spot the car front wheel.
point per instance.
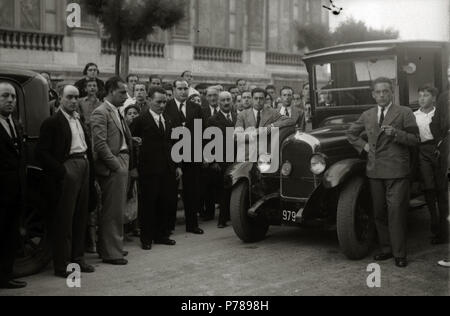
(248, 229)
(355, 223)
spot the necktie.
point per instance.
(183, 117)
(11, 129)
(215, 112)
(258, 119)
(382, 117)
(286, 112)
(229, 118)
(161, 126)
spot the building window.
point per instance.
(32, 15)
(219, 23)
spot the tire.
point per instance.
(355, 224)
(34, 251)
(246, 228)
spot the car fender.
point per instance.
(237, 172)
(341, 171)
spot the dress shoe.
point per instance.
(444, 263)
(383, 257)
(401, 262)
(146, 246)
(125, 253)
(221, 226)
(116, 262)
(86, 268)
(12, 285)
(196, 231)
(166, 242)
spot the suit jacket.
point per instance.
(440, 124)
(389, 157)
(193, 113)
(155, 153)
(206, 111)
(220, 121)
(54, 144)
(297, 117)
(108, 139)
(53, 149)
(12, 166)
(246, 119)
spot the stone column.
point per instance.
(180, 45)
(255, 53)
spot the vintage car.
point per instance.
(321, 179)
(32, 109)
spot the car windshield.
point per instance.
(347, 83)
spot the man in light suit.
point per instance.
(259, 115)
(295, 114)
(112, 150)
(391, 131)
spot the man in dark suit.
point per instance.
(158, 174)
(64, 152)
(208, 208)
(12, 177)
(295, 114)
(184, 115)
(224, 119)
(391, 131)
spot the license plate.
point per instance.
(290, 217)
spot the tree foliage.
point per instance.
(318, 36)
(131, 20)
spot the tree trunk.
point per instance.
(118, 55)
(125, 62)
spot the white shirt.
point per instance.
(5, 125)
(255, 112)
(156, 117)
(78, 145)
(386, 110)
(179, 104)
(116, 112)
(287, 111)
(423, 121)
(128, 102)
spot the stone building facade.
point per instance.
(219, 40)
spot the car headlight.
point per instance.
(286, 170)
(318, 164)
(264, 163)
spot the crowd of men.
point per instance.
(119, 132)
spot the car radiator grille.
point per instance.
(301, 183)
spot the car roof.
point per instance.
(372, 46)
(17, 74)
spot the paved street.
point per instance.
(289, 262)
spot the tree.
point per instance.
(318, 36)
(131, 20)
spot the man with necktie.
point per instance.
(158, 174)
(183, 114)
(64, 152)
(208, 204)
(295, 114)
(391, 131)
(12, 177)
(113, 161)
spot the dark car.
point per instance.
(321, 181)
(32, 109)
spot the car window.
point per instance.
(348, 83)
